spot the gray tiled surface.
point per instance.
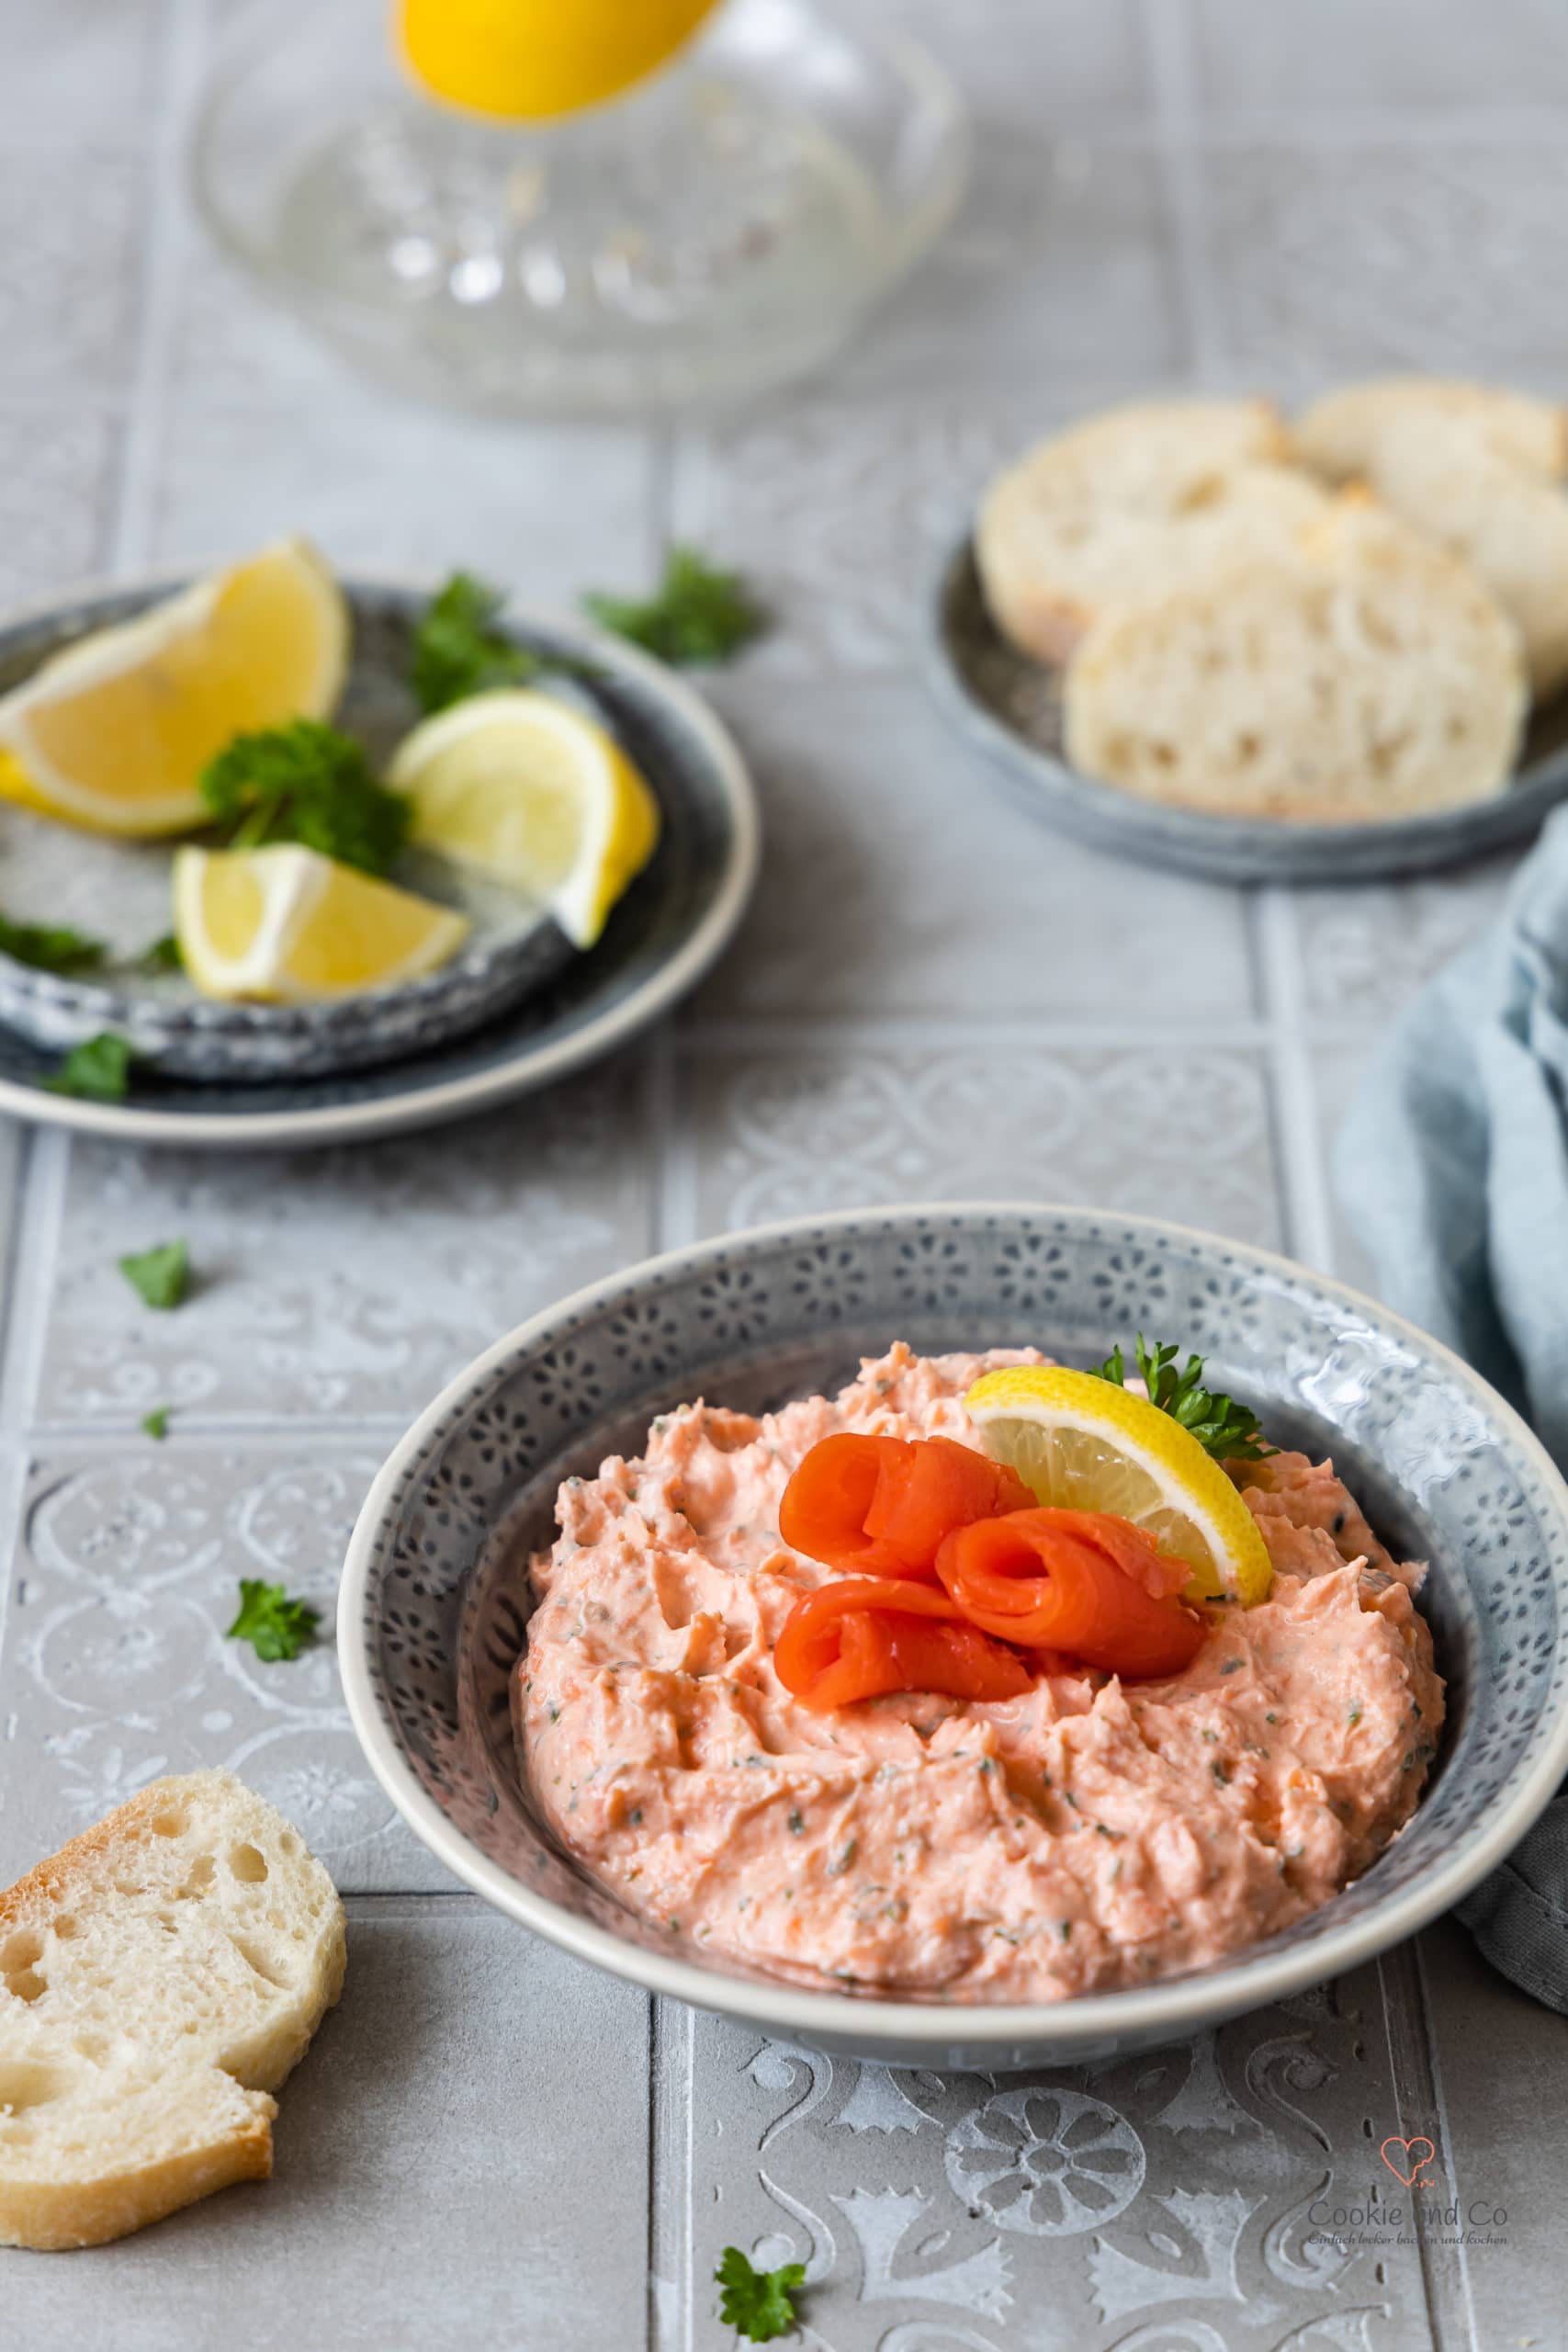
(489, 2145)
(469, 2120)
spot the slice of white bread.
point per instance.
(1141, 499)
(1364, 674)
(1478, 468)
(159, 1976)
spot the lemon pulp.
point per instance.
(286, 926)
(526, 789)
(113, 734)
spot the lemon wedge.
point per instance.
(286, 926)
(113, 734)
(1084, 1444)
(526, 790)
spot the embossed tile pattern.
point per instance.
(1355, 259)
(1365, 953)
(898, 882)
(799, 1132)
(842, 571)
(117, 1668)
(1161, 2200)
(351, 1282)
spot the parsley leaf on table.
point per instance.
(758, 2304)
(457, 649)
(309, 783)
(99, 1069)
(1222, 1426)
(274, 1626)
(163, 956)
(160, 1277)
(156, 1422)
(49, 948)
(699, 613)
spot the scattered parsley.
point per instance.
(306, 781)
(1222, 1426)
(49, 948)
(164, 956)
(698, 614)
(458, 650)
(99, 1069)
(758, 2304)
(274, 1626)
(156, 1422)
(160, 1277)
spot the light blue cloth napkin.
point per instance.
(1453, 1169)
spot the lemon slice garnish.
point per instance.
(114, 732)
(526, 790)
(286, 926)
(1084, 1444)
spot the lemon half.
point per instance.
(286, 926)
(526, 789)
(113, 734)
(1084, 1444)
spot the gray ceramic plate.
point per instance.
(1008, 708)
(519, 1008)
(119, 892)
(433, 1606)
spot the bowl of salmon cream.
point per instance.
(715, 1626)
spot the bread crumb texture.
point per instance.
(159, 1976)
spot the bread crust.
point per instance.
(54, 2217)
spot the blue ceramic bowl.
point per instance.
(433, 1604)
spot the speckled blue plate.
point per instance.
(519, 1006)
(1008, 709)
(434, 1601)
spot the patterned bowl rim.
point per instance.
(518, 1072)
(1183, 2005)
(1046, 786)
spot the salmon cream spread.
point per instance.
(1088, 1835)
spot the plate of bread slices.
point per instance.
(1326, 648)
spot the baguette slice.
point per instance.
(1479, 469)
(159, 1976)
(1140, 500)
(1365, 674)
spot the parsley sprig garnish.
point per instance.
(457, 649)
(50, 947)
(274, 1626)
(698, 614)
(1222, 1426)
(99, 1069)
(758, 2304)
(309, 783)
